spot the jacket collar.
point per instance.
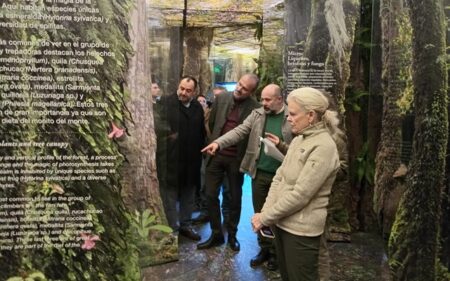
(313, 129)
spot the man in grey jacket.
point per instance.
(228, 111)
(269, 121)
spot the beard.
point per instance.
(238, 96)
(269, 111)
(184, 99)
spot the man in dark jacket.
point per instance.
(228, 111)
(181, 135)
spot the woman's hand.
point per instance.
(256, 222)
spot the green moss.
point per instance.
(442, 273)
(403, 43)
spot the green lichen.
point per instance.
(403, 43)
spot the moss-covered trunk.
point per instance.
(413, 244)
(445, 220)
(396, 44)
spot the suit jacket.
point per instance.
(221, 108)
(181, 136)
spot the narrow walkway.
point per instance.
(361, 260)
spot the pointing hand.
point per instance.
(211, 148)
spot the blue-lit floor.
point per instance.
(361, 260)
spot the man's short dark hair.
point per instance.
(155, 80)
(190, 78)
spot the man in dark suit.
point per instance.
(181, 135)
(228, 111)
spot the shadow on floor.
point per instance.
(361, 260)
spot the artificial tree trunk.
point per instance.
(318, 38)
(341, 18)
(445, 220)
(396, 60)
(270, 61)
(330, 40)
(140, 183)
(198, 42)
(413, 244)
(363, 119)
(297, 19)
(176, 59)
(374, 63)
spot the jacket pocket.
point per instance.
(302, 156)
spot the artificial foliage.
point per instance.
(115, 255)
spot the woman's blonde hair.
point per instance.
(310, 99)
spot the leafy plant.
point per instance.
(35, 276)
(352, 100)
(365, 165)
(145, 221)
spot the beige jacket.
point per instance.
(253, 127)
(298, 197)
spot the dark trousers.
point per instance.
(200, 199)
(298, 256)
(226, 198)
(260, 188)
(217, 168)
(170, 195)
(200, 190)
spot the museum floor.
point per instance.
(361, 260)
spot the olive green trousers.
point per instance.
(298, 256)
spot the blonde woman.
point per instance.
(296, 206)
